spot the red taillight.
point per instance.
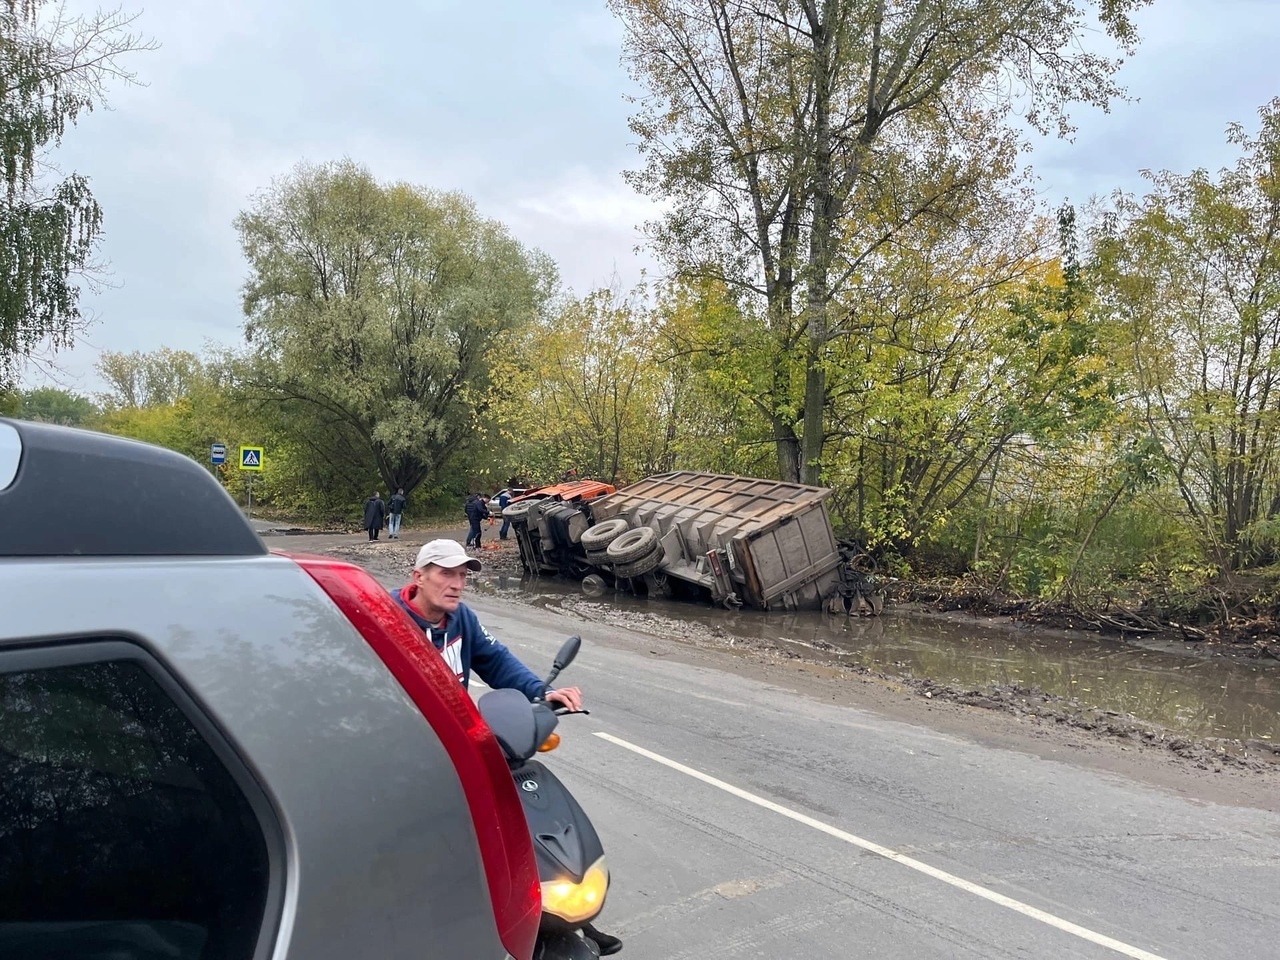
(503, 832)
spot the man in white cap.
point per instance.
(433, 598)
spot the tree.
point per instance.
(147, 379)
(609, 385)
(51, 405)
(592, 402)
(173, 398)
(981, 343)
(723, 384)
(706, 422)
(53, 67)
(1193, 270)
(769, 126)
(601, 394)
(375, 310)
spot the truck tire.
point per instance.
(596, 539)
(638, 568)
(516, 512)
(633, 545)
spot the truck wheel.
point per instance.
(633, 545)
(597, 538)
(516, 512)
(638, 568)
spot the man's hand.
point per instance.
(570, 697)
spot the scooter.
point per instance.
(571, 861)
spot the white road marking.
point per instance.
(871, 847)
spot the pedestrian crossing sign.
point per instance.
(250, 458)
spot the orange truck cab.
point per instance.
(549, 523)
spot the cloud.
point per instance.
(584, 198)
(523, 109)
(589, 222)
(1195, 71)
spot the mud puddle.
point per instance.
(1152, 692)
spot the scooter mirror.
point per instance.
(568, 651)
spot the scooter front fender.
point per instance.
(553, 945)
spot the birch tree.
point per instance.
(54, 66)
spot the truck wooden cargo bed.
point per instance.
(775, 538)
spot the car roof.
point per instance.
(113, 497)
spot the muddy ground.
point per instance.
(1011, 716)
(1247, 633)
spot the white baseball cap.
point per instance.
(445, 553)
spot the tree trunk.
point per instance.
(815, 389)
(784, 432)
(788, 446)
(815, 375)
(981, 533)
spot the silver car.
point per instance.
(211, 751)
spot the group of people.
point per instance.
(379, 514)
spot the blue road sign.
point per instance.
(218, 454)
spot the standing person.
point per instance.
(395, 507)
(375, 515)
(477, 510)
(503, 499)
(466, 509)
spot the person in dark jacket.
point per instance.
(433, 598)
(477, 513)
(503, 499)
(395, 507)
(375, 515)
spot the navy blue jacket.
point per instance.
(465, 644)
(477, 510)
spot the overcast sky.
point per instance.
(523, 108)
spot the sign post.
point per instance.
(217, 457)
(251, 459)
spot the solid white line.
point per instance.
(960, 883)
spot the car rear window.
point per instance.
(122, 833)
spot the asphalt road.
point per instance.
(742, 819)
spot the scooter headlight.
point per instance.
(577, 902)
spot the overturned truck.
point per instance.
(734, 541)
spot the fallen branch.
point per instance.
(1102, 619)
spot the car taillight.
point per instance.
(505, 845)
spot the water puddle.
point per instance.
(1174, 685)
